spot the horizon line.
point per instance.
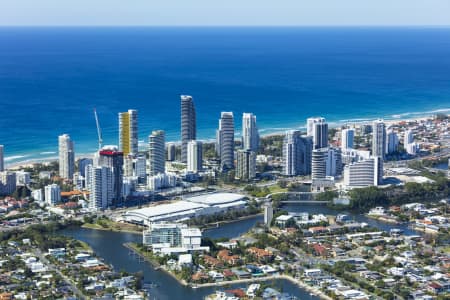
(226, 26)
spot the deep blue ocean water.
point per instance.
(52, 78)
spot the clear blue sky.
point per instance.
(225, 12)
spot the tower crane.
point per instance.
(99, 131)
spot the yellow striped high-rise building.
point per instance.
(128, 132)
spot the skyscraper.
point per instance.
(334, 162)
(66, 157)
(319, 163)
(408, 138)
(408, 143)
(82, 163)
(391, 142)
(7, 183)
(157, 152)
(297, 152)
(128, 132)
(310, 124)
(225, 141)
(52, 194)
(246, 164)
(366, 172)
(2, 159)
(171, 151)
(101, 187)
(110, 157)
(378, 139)
(194, 156)
(347, 136)
(250, 136)
(188, 124)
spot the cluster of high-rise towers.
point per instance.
(114, 171)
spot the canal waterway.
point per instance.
(109, 245)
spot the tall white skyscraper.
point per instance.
(347, 136)
(310, 124)
(250, 136)
(318, 129)
(391, 142)
(246, 164)
(194, 156)
(297, 152)
(157, 153)
(66, 157)
(52, 194)
(378, 139)
(225, 141)
(101, 187)
(408, 143)
(2, 159)
(188, 124)
(128, 132)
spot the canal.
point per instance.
(109, 245)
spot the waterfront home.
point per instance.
(341, 218)
(212, 262)
(312, 272)
(228, 258)
(242, 274)
(216, 276)
(283, 220)
(377, 211)
(199, 277)
(260, 254)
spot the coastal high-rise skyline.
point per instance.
(128, 132)
(250, 135)
(188, 124)
(66, 157)
(225, 141)
(156, 151)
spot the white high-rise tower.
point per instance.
(250, 136)
(157, 153)
(66, 157)
(225, 141)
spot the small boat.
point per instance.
(395, 232)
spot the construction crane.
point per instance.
(99, 131)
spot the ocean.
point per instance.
(51, 79)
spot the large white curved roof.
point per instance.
(216, 198)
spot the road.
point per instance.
(52, 267)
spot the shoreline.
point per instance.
(389, 120)
(301, 284)
(224, 222)
(98, 227)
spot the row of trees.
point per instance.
(363, 199)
